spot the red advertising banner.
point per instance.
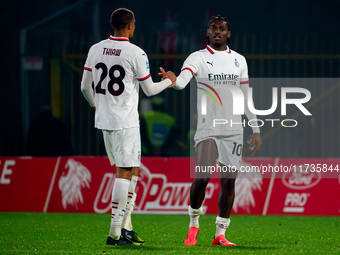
(24, 183)
(251, 186)
(84, 184)
(77, 182)
(308, 187)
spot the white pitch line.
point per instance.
(51, 185)
(270, 188)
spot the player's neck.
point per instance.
(220, 48)
(121, 33)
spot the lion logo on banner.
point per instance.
(70, 184)
(246, 183)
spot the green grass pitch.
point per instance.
(55, 233)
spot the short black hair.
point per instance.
(121, 17)
(219, 17)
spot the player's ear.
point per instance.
(207, 33)
(228, 34)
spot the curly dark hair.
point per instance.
(219, 17)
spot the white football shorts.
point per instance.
(123, 147)
(229, 149)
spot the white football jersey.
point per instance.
(117, 65)
(215, 72)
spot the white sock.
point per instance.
(194, 216)
(119, 197)
(221, 225)
(130, 203)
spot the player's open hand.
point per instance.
(255, 143)
(169, 75)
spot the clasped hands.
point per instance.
(169, 75)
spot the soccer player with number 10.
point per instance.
(217, 68)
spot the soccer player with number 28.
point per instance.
(117, 67)
(217, 68)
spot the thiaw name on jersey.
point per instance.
(117, 65)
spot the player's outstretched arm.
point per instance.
(182, 80)
(151, 88)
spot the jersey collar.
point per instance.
(212, 51)
(119, 38)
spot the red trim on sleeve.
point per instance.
(210, 50)
(88, 69)
(244, 82)
(189, 70)
(119, 39)
(144, 78)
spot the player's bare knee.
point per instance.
(124, 172)
(201, 183)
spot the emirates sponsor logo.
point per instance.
(301, 178)
(73, 179)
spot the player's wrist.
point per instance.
(256, 130)
(169, 82)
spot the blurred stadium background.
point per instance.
(44, 45)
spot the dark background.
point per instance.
(284, 39)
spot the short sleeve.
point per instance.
(191, 63)
(141, 66)
(88, 63)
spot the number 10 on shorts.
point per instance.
(237, 149)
